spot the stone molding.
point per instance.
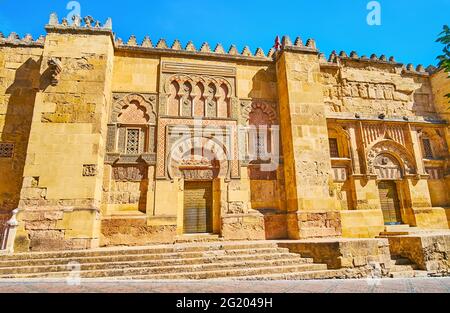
(199, 69)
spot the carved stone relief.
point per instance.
(376, 132)
(387, 167)
(129, 173)
(89, 170)
(196, 96)
(385, 154)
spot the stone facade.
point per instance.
(98, 139)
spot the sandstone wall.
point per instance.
(375, 87)
(62, 188)
(19, 82)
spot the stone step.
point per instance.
(235, 273)
(307, 275)
(403, 268)
(393, 234)
(421, 274)
(154, 263)
(200, 270)
(141, 257)
(142, 250)
(402, 274)
(398, 228)
(198, 238)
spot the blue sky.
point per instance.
(408, 28)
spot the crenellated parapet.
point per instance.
(342, 59)
(298, 45)
(77, 22)
(13, 39)
(205, 49)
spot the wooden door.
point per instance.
(390, 203)
(198, 207)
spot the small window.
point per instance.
(133, 138)
(428, 151)
(6, 150)
(334, 149)
(260, 146)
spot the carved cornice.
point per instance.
(199, 69)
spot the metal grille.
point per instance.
(260, 146)
(198, 207)
(6, 150)
(427, 148)
(390, 204)
(334, 150)
(133, 137)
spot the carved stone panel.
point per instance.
(89, 170)
(387, 167)
(386, 153)
(196, 96)
(127, 107)
(129, 173)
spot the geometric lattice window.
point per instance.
(428, 151)
(133, 137)
(261, 146)
(6, 150)
(334, 149)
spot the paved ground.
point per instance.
(417, 285)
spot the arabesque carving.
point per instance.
(133, 102)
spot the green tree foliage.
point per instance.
(444, 60)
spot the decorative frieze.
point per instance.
(129, 173)
(196, 96)
(375, 132)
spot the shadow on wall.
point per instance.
(260, 81)
(22, 95)
(267, 188)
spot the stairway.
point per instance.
(204, 260)
(403, 268)
(405, 230)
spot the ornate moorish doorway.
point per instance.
(390, 203)
(198, 207)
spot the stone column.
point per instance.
(354, 154)
(417, 151)
(311, 208)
